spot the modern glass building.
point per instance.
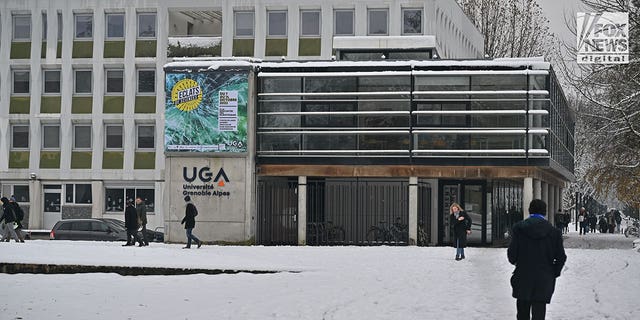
(384, 148)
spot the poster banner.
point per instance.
(603, 37)
(206, 112)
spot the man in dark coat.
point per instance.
(189, 222)
(131, 223)
(141, 209)
(537, 252)
(9, 218)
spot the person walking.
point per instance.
(537, 252)
(141, 210)
(189, 222)
(131, 223)
(9, 220)
(567, 220)
(461, 223)
(582, 221)
(19, 215)
(617, 217)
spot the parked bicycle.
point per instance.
(396, 233)
(323, 233)
(423, 237)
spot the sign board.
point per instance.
(206, 111)
(603, 38)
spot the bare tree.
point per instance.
(511, 28)
(608, 117)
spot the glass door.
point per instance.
(471, 196)
(51, 205)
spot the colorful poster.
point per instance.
(206, 112)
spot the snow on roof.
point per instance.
(536, 63)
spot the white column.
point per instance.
(98, 198)
(537, 189)
(551, 204)
(413, 211)
(527, 196)
(293, 30)
(302, 210)
(227, 28)
(545, 193)
(36, 215)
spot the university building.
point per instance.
(313, 123)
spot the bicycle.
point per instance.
(632, 230)
(394, 234)
(319, 233)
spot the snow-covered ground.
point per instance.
(333, 283)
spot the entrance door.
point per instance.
(471, 196)
(52, 212)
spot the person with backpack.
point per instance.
(131, 223)
(189, 222)
(9, 218)
(19, 217)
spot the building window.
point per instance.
(81, 136)
(146, 25)
(83, 81)
(52, 81)
(20, 137)
(343, 23)
(59, 26)
(378, 22)
(82, 193)
(116, 198)
(146, 137)
(115, 26)
(310, 23)
(22, 27)
(115, 81)
(276, 23)
(21, 192)
(21, 82)
(411, 21)
(114, 137)
(146, 81)
(84, 26)
(44, 26)
(51, 136)
(243, 23)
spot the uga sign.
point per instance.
(205, 175)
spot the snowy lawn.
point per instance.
(334, 283)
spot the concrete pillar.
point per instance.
(413, 211)
(545, 193)
(302, 210)
(527, 196)
(551, 204)
(98, 199)
(537, 189)
(36, 213)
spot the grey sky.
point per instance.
(556, 10)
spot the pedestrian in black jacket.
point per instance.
(537, 252)
(461, 223)
(9, 218)
(131, 223)
(189, 222)
(141, 209)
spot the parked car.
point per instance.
(87, 229)
(152, 235)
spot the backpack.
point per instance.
(19, 213)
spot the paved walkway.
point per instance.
(597, 241)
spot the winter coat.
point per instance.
(141, 210)
(190, 214)
(460, 228)
(131, 218)
(537, 252)
(8, 214)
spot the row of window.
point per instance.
(80, 193)
(83, 81)
(82, 137)
(344, 22)
(83, 26)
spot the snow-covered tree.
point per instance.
(608, 116)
